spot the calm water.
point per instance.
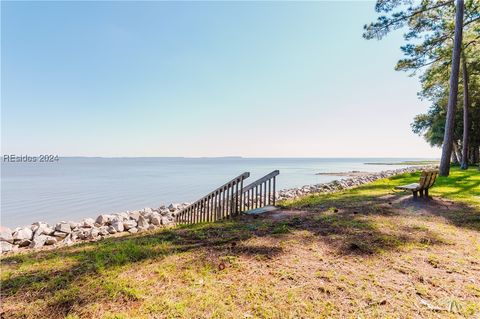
(75, 188)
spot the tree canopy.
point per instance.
(429, 28)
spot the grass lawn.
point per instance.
(368, 252)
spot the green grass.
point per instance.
(368, 252)
(461, 186)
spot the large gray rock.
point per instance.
(134, 215)
(164, 212)
(149, 214)
(112, 230)
(75, 225)
(6, 235)
(118, 226)
(156, 219)
(173, 207)
(133, 230)
(50, 240)
(22, 233)
(94, 232)
(103, 230)
(33, 227)
(6, 247)
(43, 229)
(81, 233)
(147, 210)
(115, 219)
(142, 223)
(24, 243)
(122, 216)
(38, 241)
(64, 227)
(103, 219)
(60, 234)
(129, 224)
(166, 221)
(68, 240)
(88, 223)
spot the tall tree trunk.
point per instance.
(452, 96)
(456, 154)
(466, 106)
(454, 159)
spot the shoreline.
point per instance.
(345, 174)
(40, 235)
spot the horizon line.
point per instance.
(226, 157)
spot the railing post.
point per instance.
(274, 182)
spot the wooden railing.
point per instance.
(223, 202)
(260, 193)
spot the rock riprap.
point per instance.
(41, 234)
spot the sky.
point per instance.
(253, 79)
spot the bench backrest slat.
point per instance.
(427, 179)
(432, 179)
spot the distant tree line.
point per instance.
(443, 48)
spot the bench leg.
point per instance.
(421, 193)
(426, 193)
(415, 195)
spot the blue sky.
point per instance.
(203, 79)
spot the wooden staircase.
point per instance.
(230, 200)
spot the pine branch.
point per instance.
(384, 29)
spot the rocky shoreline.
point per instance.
(42, 235)
(346, 174)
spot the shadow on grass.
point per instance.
(462, 187)
(346, 232)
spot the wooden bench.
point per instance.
(427, 179)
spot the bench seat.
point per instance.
(427, 179)
(409, 187)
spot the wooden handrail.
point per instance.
(230, 199)
(261, 180)
(259, 193)
(221, 203)
(242, 176)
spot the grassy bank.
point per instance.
(462, 187)
(363, 253)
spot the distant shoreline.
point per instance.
(406, 163)
(347, 174)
